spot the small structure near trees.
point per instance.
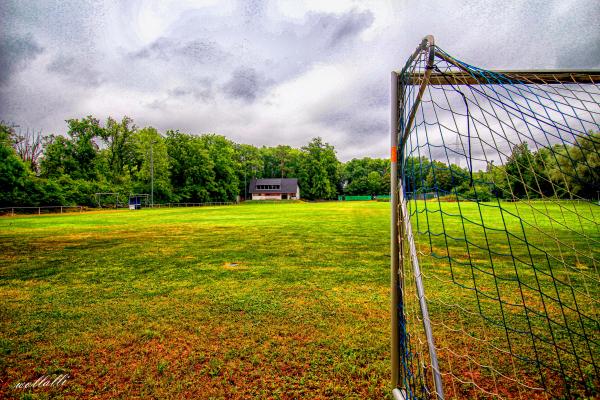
(274, 189)
(137, 200)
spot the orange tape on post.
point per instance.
(394, 155)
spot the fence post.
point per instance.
(61, 209)
(39, 210)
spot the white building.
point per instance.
(274, 189)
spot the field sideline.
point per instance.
(150, 304)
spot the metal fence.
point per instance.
(363, 197)
(39, 210)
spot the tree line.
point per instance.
(117, 156)
(562, 171)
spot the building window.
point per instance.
(268, 187)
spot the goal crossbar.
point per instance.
(466, 76)
(547, 77)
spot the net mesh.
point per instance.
(500, 175)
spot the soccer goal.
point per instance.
(495, 231)
(107, 199)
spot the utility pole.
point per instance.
(152, 173)
(457, 146)
(244, 166)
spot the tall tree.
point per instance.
(320, 173)
(577, 167)
(76, 155)
(191, 167)
(366, 176)
(221, 151)
(118, 137)
(520, 172)
(443, 178)
(152, 164)
(29, 146)
(416, 170)
(13, 171)
(249, 165)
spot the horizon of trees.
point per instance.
(116, 157)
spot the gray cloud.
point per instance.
(197, 50)
(160, 48)
(359, 123)
(280, 48)
(347, 26)
(74, 69)
(321, 34)
(181, 66)
(582, 55)
(200, 89)
(180, 92)
(253, 11)
(15, 52)
(375, 94)
(246, 84)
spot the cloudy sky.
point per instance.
(262, 72)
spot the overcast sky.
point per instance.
(262, 72)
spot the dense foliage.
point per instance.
(561, 171)
(119, 157)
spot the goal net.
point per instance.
(495, 231)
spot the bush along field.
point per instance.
(250, 301)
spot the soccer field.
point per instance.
(258, 300)
(512, 291)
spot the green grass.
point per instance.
(531, 299)
(270, 300)
(147, 304)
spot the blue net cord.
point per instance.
(508, 244)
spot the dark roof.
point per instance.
(286, 185)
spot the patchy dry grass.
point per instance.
(252, 301)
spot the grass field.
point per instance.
(149, 304)
(253, 301)
(513, 292)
